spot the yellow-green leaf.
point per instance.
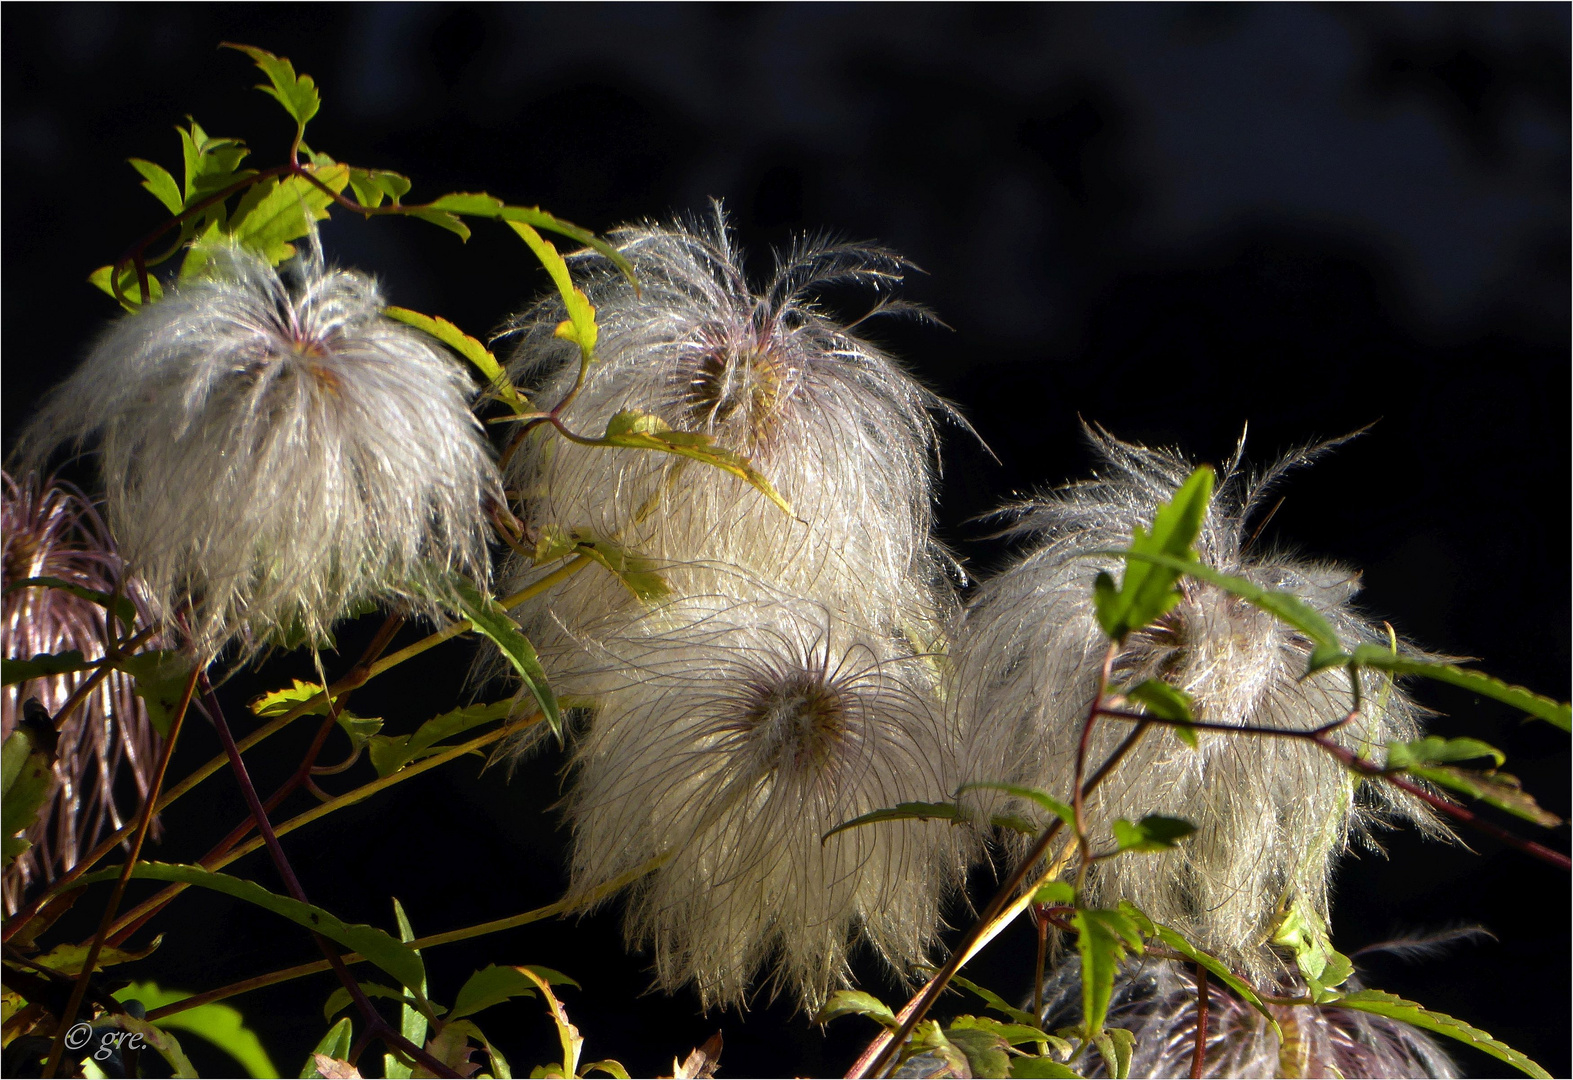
(580, 327)
(642, 431)
(297, 93)
(469, 348)
(160, 184)
(1409, 1012)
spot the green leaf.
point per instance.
(476, 204)
(1056, 893)
(160, 184)
(642, 431)
(124, 608)
(1114, 1044)
(1536, 705)
(68, 959)
(390, 753)
(1147, 591)
(29, 782)
(412, 1021)
(283, 211)
(442, 218)
(1042, 798)
(371, 186)
(1435, 750)
(985, 1050)
(1014, 1034)
(1409, 1012)
(1494, 788)
(211, 164)
(377, 946)
(491, 620)
(161, 676)
(567, 1035)
(44, 664)
(467, 347)
(1102, 938)
(218, 1023)
(1000, 1005)
(1162, 700)
(130, 285)
(297, 93)
(1177, 941)
(927, 1039)
(1286, 606)
(1041, 1067)
(279, 702)
(534, 215)
(492, 985)
(335, 1044)
(340, 999)
(843, 1002)
(580, 327)
(1153, 833)
(637, 573)
(907, 811)
(1015, 823)
(1305, 933)
(360, 729)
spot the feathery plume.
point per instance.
(276, 452)
(50, 528)
(743, 732)
(1272, 814)
(1156, 1002)
(836, 425)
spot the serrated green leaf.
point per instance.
(1536, 705)
(1162, 700)
(1435, 750)
(160, 677)
(927, 1039)
(580, 327)
(1114, 1046)
(160, 184)
(1103, 937)
(1056, 893)
(1494, 788)
(44, 664)
(641, 431)
(637, 573)
(67, 958)
(412, 1021)
(371, 186)
(1152, 833)
(1146, 591)
(390, 753)
(843, 1002)
(282, 211)
(1286, 606)
(130, 285)
(1041, 798)
(279, 702)
(1000, 1005)
(297, 93)
(492, 985)
(335, 1044)
(377, 946)
(469, 348)
(1041, 1068)
(124, 608)
(1303, 932)
(907, 811)
(443, 219)
(1177, 941)
(489, 619)
(1394, 1007)
(29, 782)
(475, 204)
(985, 1050)
(211, 164)
(218, 1023)
(1015, 1034)
(540, 219)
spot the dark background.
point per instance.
(1169, 220)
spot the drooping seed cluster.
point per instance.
(275, 452)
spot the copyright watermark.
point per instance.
(109, 1041)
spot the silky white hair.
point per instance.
(1156, 1001)
(275, 452)
(837, 426)
(1271, 813)
(742, 732)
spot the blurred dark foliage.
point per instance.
(1170, 220)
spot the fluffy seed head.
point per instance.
(51, 529)
(1271, 813)
(1156, 1002)
(741, 734)
(275, 452)
(835, 424)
